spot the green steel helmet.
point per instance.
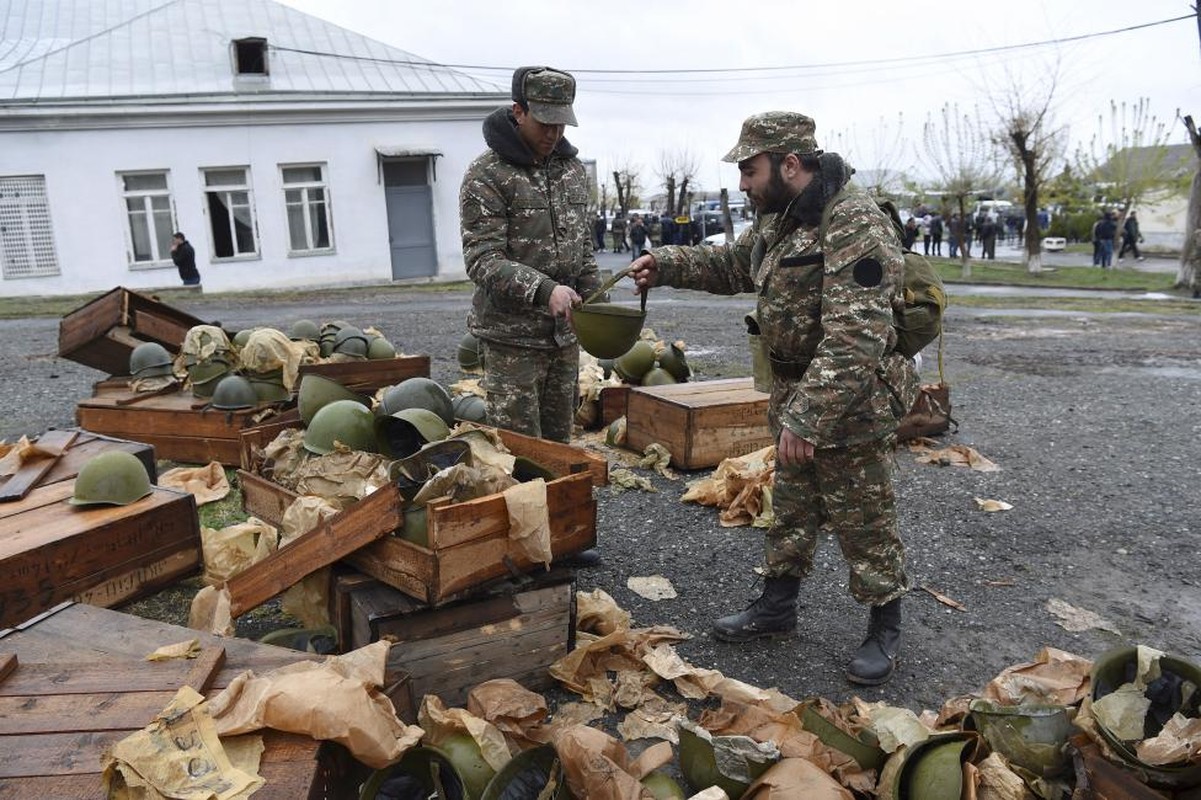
(672, 360)
(606, 330)
(606, 365)
(379, 348)
(304, 329)
(700, 766)
(418, 393)
(636, 362)
(470, 355)
(864, 748)
(148, 360)
(351, 342)
(329, 331)
(457, 763)
(1033, 737)
(401, 434)
(269, 387)
(933, 768)
(663, 786)
(205, 375)
(115, 478)
(527, 774)
(470, 407)
(317, 391)
(242, 337)
(344, 421)
(658, 377)
(233, 392)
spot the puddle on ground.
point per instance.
(1174, 373)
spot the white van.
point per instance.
(999, 209)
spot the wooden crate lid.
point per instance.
(701, 394)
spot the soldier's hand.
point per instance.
(645, 272)
(792, 450)
(561, 301)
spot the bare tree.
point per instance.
(1185, 275)
(879, 155)
(960, 152)
(1035, 145)
(628, 182)
(1127, 160)
(676, 171)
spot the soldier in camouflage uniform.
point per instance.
(825, 311)
(527, 244)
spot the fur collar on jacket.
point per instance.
(500, 134)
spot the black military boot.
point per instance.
(772, 615)
(876, 658)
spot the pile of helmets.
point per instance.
(345, 340)
(411, 414)
(641, 365)
(208, 357)
(471, 355)
(149, 360)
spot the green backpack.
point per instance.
(919, 322)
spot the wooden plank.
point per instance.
(559, 458)
(569, 504)
(371, 375)
(286, 780)
(339, 535)
(31, 472)
(89, 444)
(204, 669)
(263, 498)
(143, 579)
(79, 327)
(613, 402)
(55, 753)
(8, 665)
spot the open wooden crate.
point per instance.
(103, 332)
(469, 542)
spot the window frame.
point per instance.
(164, 259)
(306, 208)
(246, 186)
(29, 235)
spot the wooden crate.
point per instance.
(614, 402)
(82, 683)
(515, 629)
(368, 377)
(103, 332)
(52, 551)
(699, 423)
(469, 542)
(86, 445)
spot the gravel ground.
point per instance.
(1092, 419)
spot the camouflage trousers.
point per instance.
(531, 391)
(847, 491)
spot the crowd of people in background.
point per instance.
(984, 229)
(1105, 234)
(637, 232)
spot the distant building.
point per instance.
(1162, 215)
(289, 150)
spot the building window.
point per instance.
(250, 56)
(151, 223)
(231, 212)
(26, 237)
(306, 199)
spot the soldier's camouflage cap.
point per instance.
(547, 92)
(775, 132)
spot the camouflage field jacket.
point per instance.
(829, 321)
(525, 230)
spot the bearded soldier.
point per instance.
(838, 388)
(527, 244)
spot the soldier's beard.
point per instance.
(775, 197)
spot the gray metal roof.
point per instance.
(100, 49)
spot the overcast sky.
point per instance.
(905, 66)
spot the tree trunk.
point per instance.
(1192, 221)
(671, 194)
(1033, 255)
(725, 215)
(683, 197)
(621, 192)
(964, 261)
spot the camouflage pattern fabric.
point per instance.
(774, 132)
(531, 391)
(849, 491)
(525, 229)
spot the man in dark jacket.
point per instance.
(1130, 238)
(185, 259)
(527, 246)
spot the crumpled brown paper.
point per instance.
(513, 709)
(792, 778)
(232, 549)
(155, 383)
(1056, 677)
(894, 726)
(338, 699)
(597, 612)
(486, 446)
(268, 350)
(1179, 742)
(211, 611)
(439, 722)
(13, 455)
(697, 683)
(657, 457)
(308, 599)
(282, 457)
(462, 482)
(170, 652)
(203, 342)
(621, 479)
(599, 767)
(740, 487)
(529, 519)
(585, 669)
(177, 756)
(956, 455)
(207, 484)
(342, 476)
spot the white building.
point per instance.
(289, 151)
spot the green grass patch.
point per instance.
(1095, 305)
(226, 511)
(1005, 274)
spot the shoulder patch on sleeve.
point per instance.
(868, 272)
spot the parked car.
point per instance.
(720, 238)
